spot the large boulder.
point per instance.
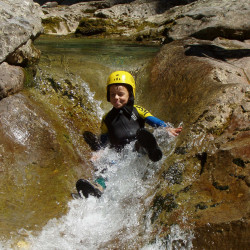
(206, 19)
(205, 179)
(19, 22)
(42, 154)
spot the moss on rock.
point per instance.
(52, 24)
(89, 27)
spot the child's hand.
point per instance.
(174, 131)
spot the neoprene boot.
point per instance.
(149, 143)
(86, 188)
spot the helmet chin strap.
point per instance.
(128, 108)
(131, 100)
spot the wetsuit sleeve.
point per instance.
(149, 118)
(155, 122)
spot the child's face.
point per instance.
(119, 96)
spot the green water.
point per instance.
(110, 53)
(92, 60)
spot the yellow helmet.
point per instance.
(121, 77)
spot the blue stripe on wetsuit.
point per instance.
(155, 122)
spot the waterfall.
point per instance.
(121, 218)
(116, 220)
(93, 223)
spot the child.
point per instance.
(125, 123)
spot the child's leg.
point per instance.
(149, 143)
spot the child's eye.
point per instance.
(119, 94)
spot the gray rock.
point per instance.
(133, 10)
(64, 20)
(207, 19)
(19, 21)
(11, 79)
(138, 8)
(202, 19)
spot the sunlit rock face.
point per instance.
(205, 182)
(157, 20)
(19, 21)
(40, 160)
(206, 20)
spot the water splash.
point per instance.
(111, 220)
(117, 220)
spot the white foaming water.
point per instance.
(118, 219)
(93, 223)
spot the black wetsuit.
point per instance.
(120, 126)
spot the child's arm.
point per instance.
(156, 122)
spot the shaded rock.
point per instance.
(215, 233)
(88, 27)
(24, 56)
(11, 79)
(19, 22)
